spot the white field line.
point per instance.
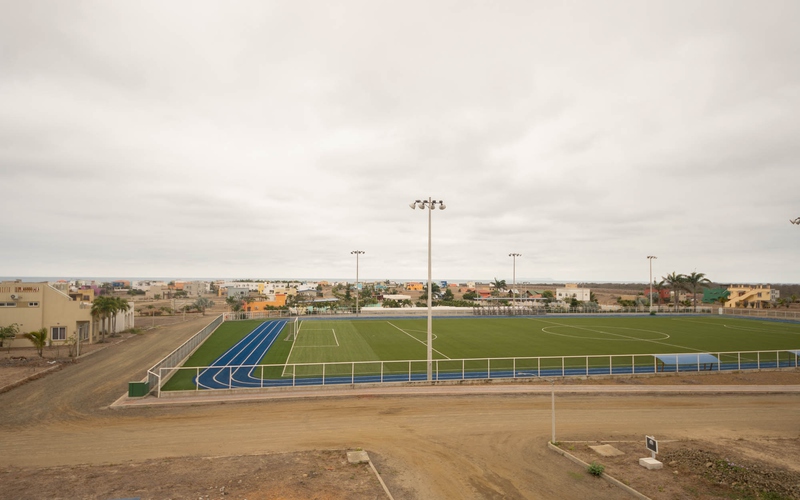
(617, 335)
(294, 341)
(320, 330)
(421, 342)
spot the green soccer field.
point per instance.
(535, 343)
(321, 341)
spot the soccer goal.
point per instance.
(291, 327)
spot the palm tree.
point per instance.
(39, 339)
(118, 304)
(693, 281)
(105, 309)
(659, 286)
(676, 282)
(499, 284)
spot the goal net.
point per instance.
(291, 327)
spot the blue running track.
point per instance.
(235, 367)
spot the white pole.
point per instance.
(553, 406)
(430, 297)
(514, 278)
(650, 258)
(357, 253)
(430, 204)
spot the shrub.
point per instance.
(596, 469)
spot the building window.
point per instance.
(8, 304)
(33, 304)
(58, 333)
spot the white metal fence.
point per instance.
(405, 371)
(761, 313)
(160, 372)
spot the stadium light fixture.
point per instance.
(650, 258)
(429, 204)
(514, 278)
(795, 221)
(357, 253)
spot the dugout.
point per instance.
(691, 362)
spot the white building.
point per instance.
(571, 291)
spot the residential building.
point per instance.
(572, 291)
(34, 306)
(196, 288)
(756, 297)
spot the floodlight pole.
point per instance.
(357, 253)
(514, 278)
(650, 258)
(429, 204)
(795, 221)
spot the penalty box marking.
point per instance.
(335, 338)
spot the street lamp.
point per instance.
(429, 204)
(514, 278)
(357, 253)
(650, 258)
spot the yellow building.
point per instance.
(415, 286)
(34, 306)
(757, 297)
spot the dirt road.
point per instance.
(426, 447)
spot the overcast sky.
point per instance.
(270, 139)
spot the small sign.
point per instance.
(651, 444)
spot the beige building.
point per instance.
(751, 296)
(34, 306)
(571, 291)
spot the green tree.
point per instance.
(8, 333)
(118, 304)
(448, 294)
(471, 295)
(658, 286)
(234, 304)
(38, 338)
(676, 282)
(694, 280)
(102, 306)
(202, 303)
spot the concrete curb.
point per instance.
(29, 378)
(615, 482)
(253, 395)
(380, 479)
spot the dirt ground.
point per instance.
(59, 439)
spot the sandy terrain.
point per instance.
(59, 439)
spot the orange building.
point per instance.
(261, 305)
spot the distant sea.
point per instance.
(104, 279)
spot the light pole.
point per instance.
(650, 258)
(514, 278)
(357, 253)
(429, 204)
